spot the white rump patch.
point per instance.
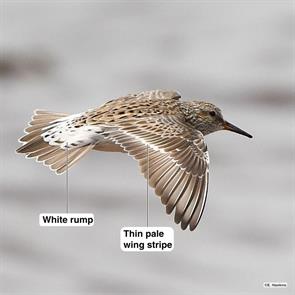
(62, 132)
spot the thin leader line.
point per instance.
(67, 179)
(147, 185)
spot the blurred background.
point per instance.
(69, 56)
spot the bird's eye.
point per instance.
(212, 113)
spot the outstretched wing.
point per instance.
(174, 159)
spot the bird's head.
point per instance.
(208, 118)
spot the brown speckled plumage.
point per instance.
(172, 130)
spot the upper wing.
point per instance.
(174, 159)
(138, 105)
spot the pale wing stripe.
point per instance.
(136, 149)
(132, 150)
(155, 140)
(127, 140)
(152, 139)
(185, 159)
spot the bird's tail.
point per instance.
(56, 156)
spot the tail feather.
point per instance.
(39, 122)
(47, 155)
(81, 153)
(71, 159)
(49, 113)
(28, 137)
(34, 146)
(39, 152)
(35, 128)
